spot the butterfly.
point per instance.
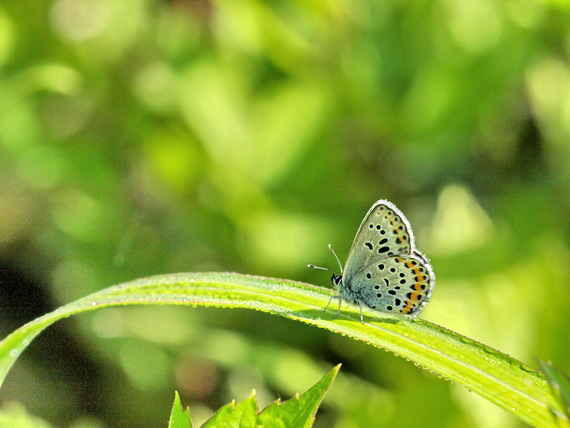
(384, 270)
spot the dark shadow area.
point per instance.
(22, 299)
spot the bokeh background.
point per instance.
(142, 137)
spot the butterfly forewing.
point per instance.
(384, 232)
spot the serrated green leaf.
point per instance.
(297, 412)
(242, 415)
(179, 418)
(498, 377)
(560, 386)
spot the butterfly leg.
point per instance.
(361, 317)
(339, 297)
(339, 302)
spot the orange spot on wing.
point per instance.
(408, 308)
(415, 296)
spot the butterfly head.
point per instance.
(336, 279)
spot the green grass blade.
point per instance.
(560, 386)
(498, 377)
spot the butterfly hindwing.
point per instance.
(397, 284)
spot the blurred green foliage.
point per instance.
(142, 136)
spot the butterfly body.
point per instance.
(384, 271)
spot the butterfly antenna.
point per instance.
(321, 268)
(336, 257)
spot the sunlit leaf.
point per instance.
(498, 377)
(560, 385)
(243, 414)
(298, 412)
(179, 418)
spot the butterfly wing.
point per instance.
(397, 284)
(384, 232)
(384, 270)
